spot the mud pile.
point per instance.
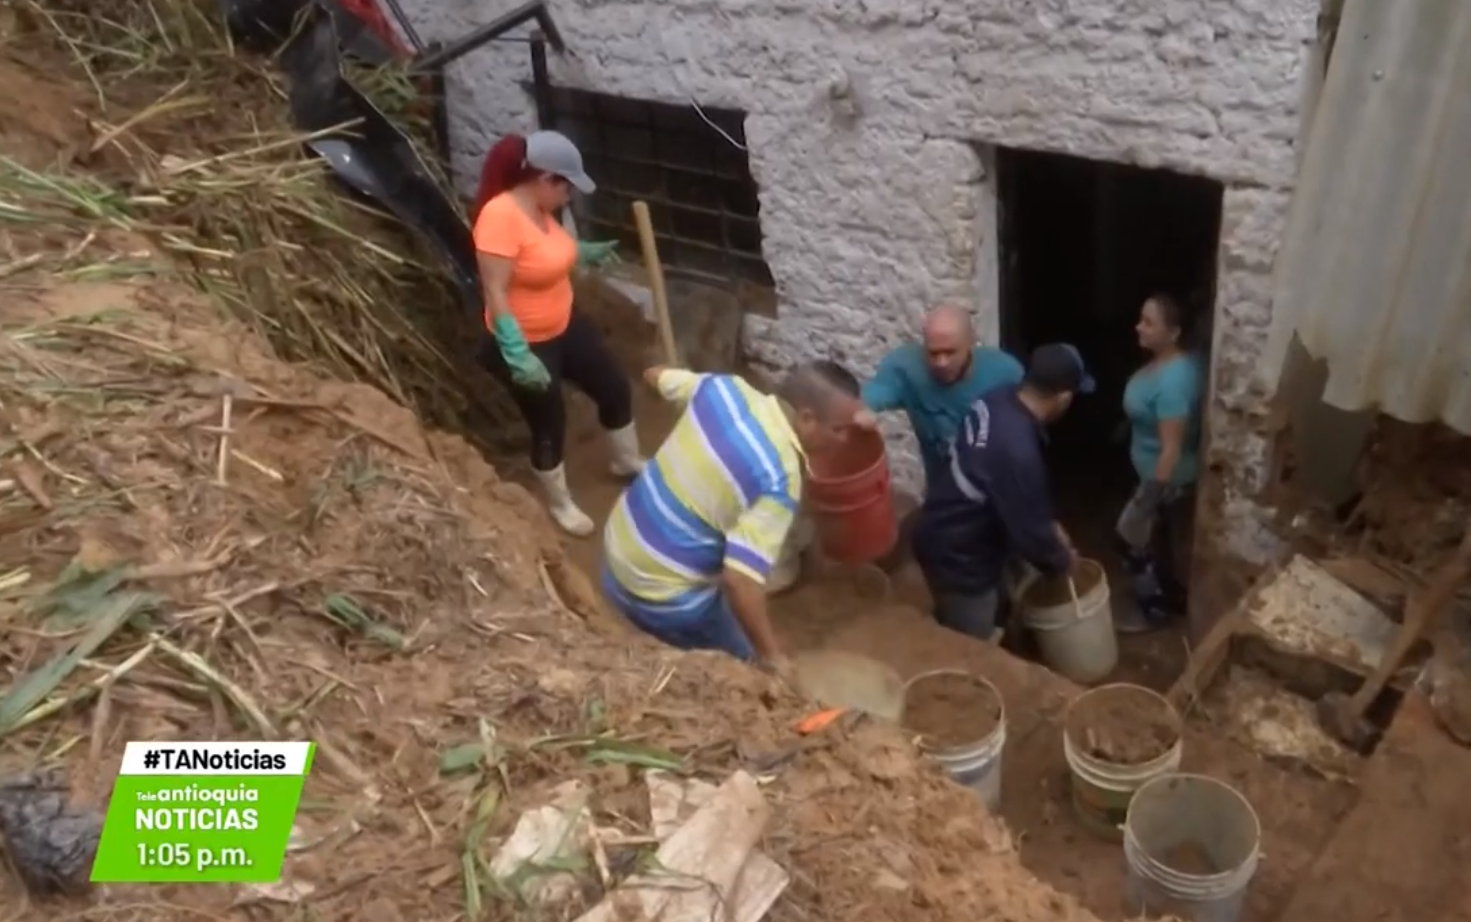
(1416, 494)
(271, 553)
(347, 577)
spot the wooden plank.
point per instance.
(1205, 661)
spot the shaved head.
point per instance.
(949, 339)
(949, 321)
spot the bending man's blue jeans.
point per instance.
(979, 614)
(702, 623)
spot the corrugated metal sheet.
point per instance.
(1374, 273)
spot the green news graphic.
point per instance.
(202, 812)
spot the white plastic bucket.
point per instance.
(1205, 815)
(1076, 637)
(1102, 790)
(975, 765)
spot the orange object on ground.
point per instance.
(853, 506)
(816, 723)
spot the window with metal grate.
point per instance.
(689, 164)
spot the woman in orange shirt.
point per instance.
(537, 337)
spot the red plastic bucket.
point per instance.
(851, 501)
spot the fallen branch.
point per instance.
(237, 695)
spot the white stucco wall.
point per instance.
(869, 220)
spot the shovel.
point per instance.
(836, 679)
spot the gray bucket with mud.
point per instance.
(1192, 845)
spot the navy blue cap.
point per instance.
(1059, 367)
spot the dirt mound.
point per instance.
(39, 125)
(355, 580)
(151, 122)
(1416, 494)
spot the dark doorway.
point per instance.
(1083, 243)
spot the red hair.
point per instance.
(504, 169)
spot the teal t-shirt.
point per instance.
(903, 382)
(1172, 390)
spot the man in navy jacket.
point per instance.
(991, 502)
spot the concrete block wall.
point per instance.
(864, 122)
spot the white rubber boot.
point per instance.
(627, 461)
(559, 503)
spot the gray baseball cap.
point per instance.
(552, 152)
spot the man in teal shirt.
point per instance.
(935, 381)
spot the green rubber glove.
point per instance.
(526, 369)
(597, 252)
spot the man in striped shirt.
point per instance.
(689, 545)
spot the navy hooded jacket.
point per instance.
(990, 503)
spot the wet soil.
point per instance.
(1190, 858)
(1123, 726)
(950, 710)
(1299, 811)
(829, 609)
(1401, 853)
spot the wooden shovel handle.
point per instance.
(655, 270)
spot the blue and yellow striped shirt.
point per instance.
(722, 491)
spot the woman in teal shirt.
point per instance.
(1162, 402)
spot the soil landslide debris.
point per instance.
(1125, 726)
(199, 540)
(951, 709)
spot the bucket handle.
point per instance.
(1072, 589)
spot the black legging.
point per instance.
(580, 357)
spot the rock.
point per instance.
(51, 844)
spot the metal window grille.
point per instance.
(698, 185)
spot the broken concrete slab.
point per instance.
(672, 801)
(1305, 610)
(543, 837)
(700, 865)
